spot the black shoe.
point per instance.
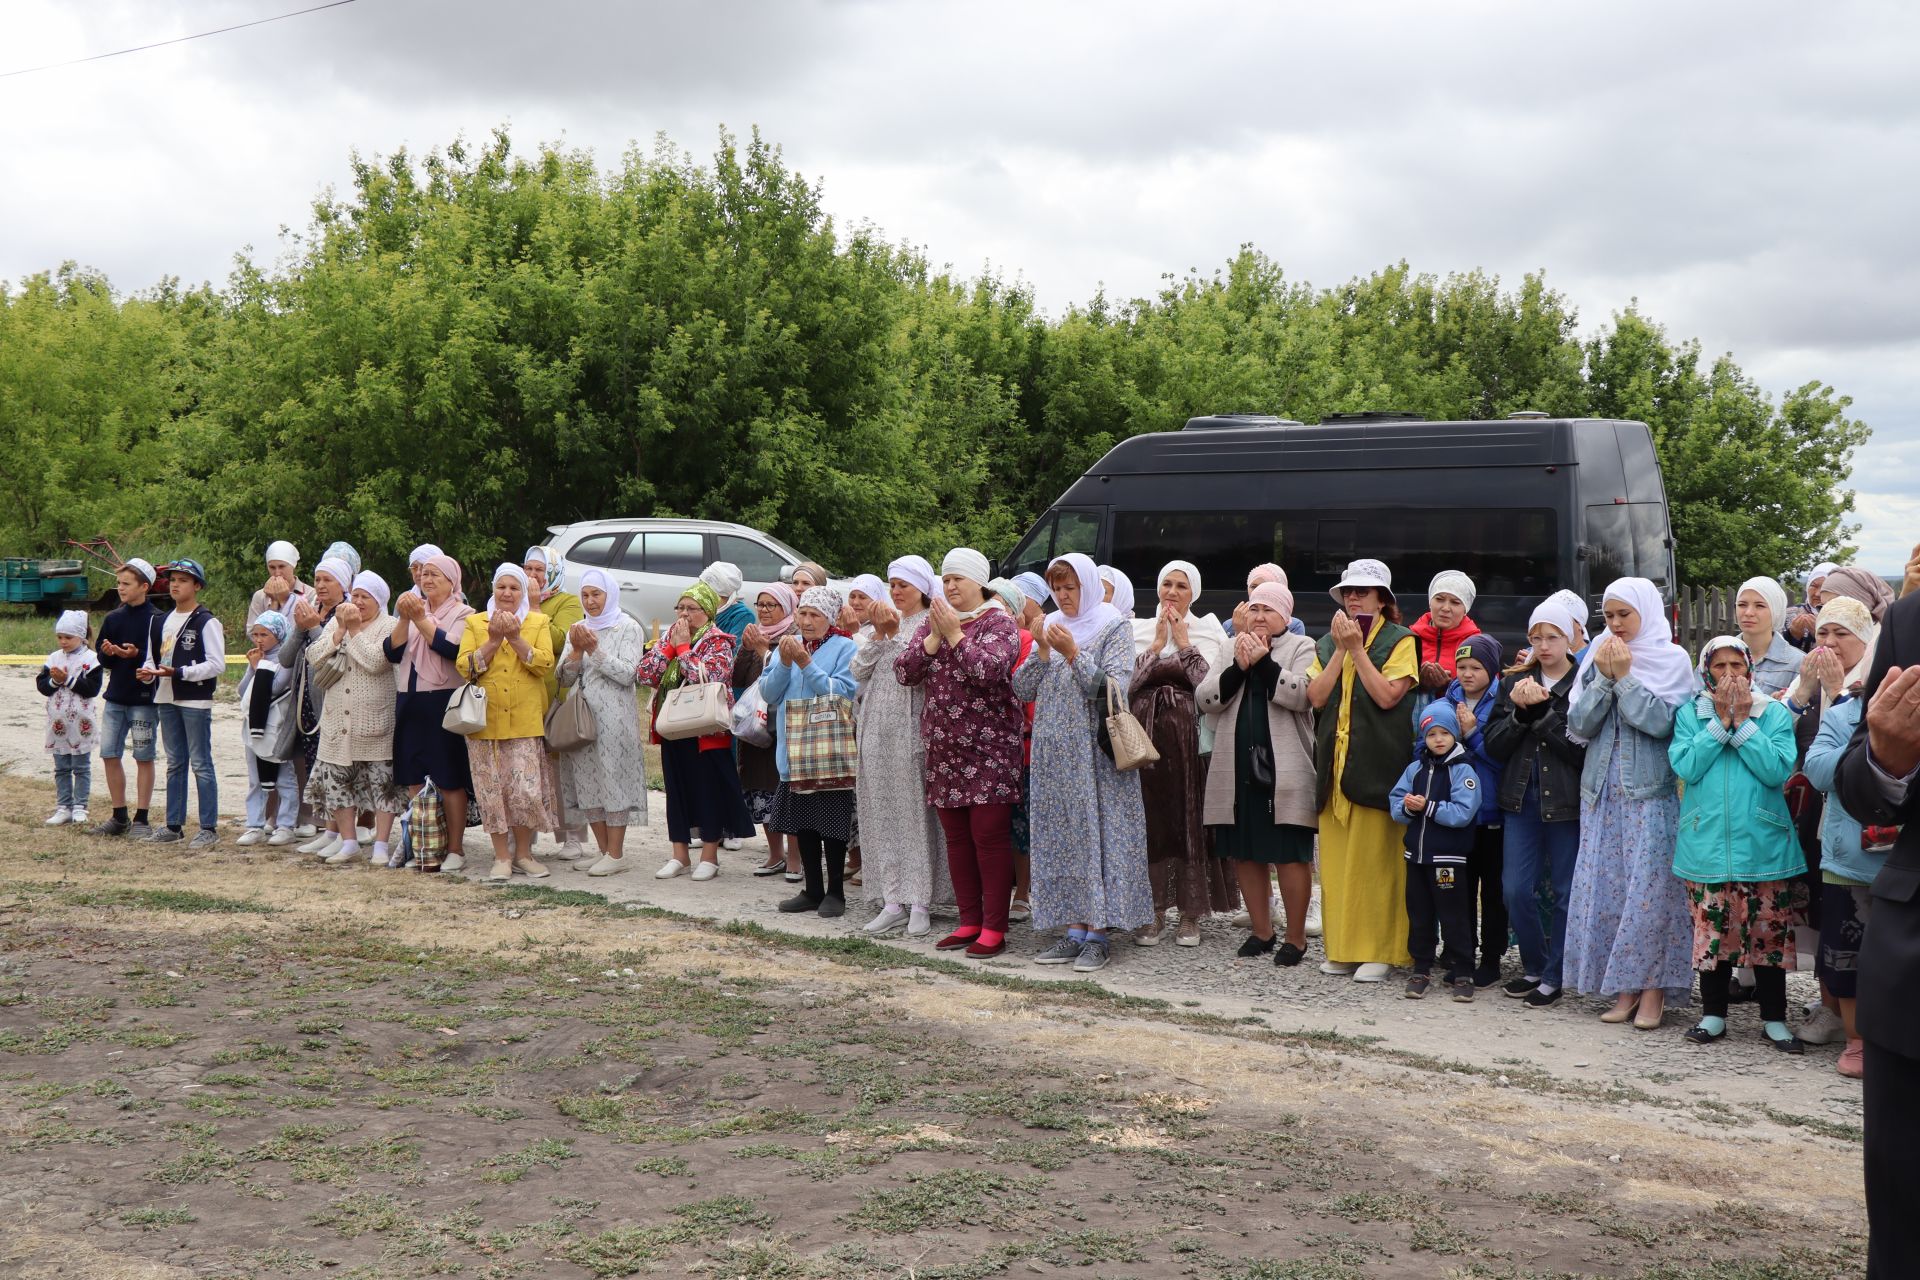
(800, 902)
(1417, 986)
(832, 905)
(1520, 987)
(111, 827)
(1792, 1044)
(1538, 999)
(1254, 947)
(1462, 990)
(1289, 955)
(1486, 975)
(1700, 1035)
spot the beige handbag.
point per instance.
(1121, 735)
(570, 725)
(695, 711)
(466, 712)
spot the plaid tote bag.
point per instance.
(427, 833)
(820, 744)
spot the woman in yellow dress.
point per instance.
(1362, 672)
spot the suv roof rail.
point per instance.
(1370, 415)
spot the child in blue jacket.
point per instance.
(1438, 798)
(1473, 695)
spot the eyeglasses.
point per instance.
(763, 606)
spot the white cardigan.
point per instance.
(357, 717)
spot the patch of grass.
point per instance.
(625, 1250)
(946, 1198)
(1814, 1124)
(665, 1167)
(1378, 1206)
(515, 1165)
(153, 1216)
(362, 1213)
(305, 1147)
(140, 1038)
(182, 901)
(1432, 1235)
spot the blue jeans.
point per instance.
(72, 780)
(188, 735)
(1535, 849)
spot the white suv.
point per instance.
(654, 560)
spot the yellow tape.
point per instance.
(40, 659)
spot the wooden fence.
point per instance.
(1704, 612)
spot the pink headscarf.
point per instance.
(1276, 597)
(784, 594)
(434, 672)
(1268, 572)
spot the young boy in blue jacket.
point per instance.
(1438, 798)
(1473, 693)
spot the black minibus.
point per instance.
(1525, 506)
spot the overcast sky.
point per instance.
(1748, 171)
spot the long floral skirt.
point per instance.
(1746, 923)
(513, 781)
(365, 786)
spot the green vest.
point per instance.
(1379, 743)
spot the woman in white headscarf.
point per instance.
(1760, 607)
(425, 640)
(773, 608)
(507, 649)
(603, 785)
(1117, 589)
(354, 771)
(283, 588)
(1629, 934)
(332, 579)
(863, 593)
(905, 860)
(1089, 829)
(1177, 649)
(546, 571)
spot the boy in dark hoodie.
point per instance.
(1473, 695)
(1438, 798)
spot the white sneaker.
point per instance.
(452, 862)
(314, 842)
(1337, 968)
(282, 835)
(1242, 919)
(342, 856)
(61, 817)
(79, 815)
(1313, 913)
(887, 921)
(570, 851)
(604, 867)
(919, 924)
(669, 869)
(363, 834)
(1823, 1026)
(376, 857)
(1372, 971)
(328, 846)
(732, 843)
(305, 831)
(706, 871)
(252, 835)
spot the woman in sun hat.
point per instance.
(1362, 672)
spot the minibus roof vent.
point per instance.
(1370, 415)
(1529, 413)
(1218, 421)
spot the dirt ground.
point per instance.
(241, 1065)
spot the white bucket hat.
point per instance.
(1365, 573)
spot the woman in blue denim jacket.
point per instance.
(1629, 935)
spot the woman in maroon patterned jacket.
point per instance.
(964, 656)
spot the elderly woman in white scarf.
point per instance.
(283, 586)
(1177, 649)
(906, 861)
(603, 785)
(507, 649)
(430, 618)
(332, 579)
(354, 771)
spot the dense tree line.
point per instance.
(477, 344)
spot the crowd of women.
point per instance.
(1635, 818)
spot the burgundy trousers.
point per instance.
(980, 857)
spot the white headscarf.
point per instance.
(339, 570)
(1033, 587)
(1122, 601)
(610, 611)
(73, 622)
(916, 570)
(511, 571)
(1660, 665)
(1096, 614)
(869, 585)
(283, 550)
(556, 566)
(1454, 583)
(374, 585)
(1204, 631)
(967, 563)
(425, 551)
(1577, 609)
(1774, 594)
(722, 575)
(1554, 612)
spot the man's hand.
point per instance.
(1893, 722)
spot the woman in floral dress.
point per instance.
(963, 656)
(906, 863)
(1628, 932)
(1089, 826)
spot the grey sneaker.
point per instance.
(1065, 951)
(164, 835)
(111, 827)
(205, 840)
(1093, 956)
(139, 831)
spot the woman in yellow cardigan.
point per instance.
(507, 649)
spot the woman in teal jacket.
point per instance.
(814, 661)
(1733, 749)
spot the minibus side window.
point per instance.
(1076, 531)
(1650, 554)
(1609, 546)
